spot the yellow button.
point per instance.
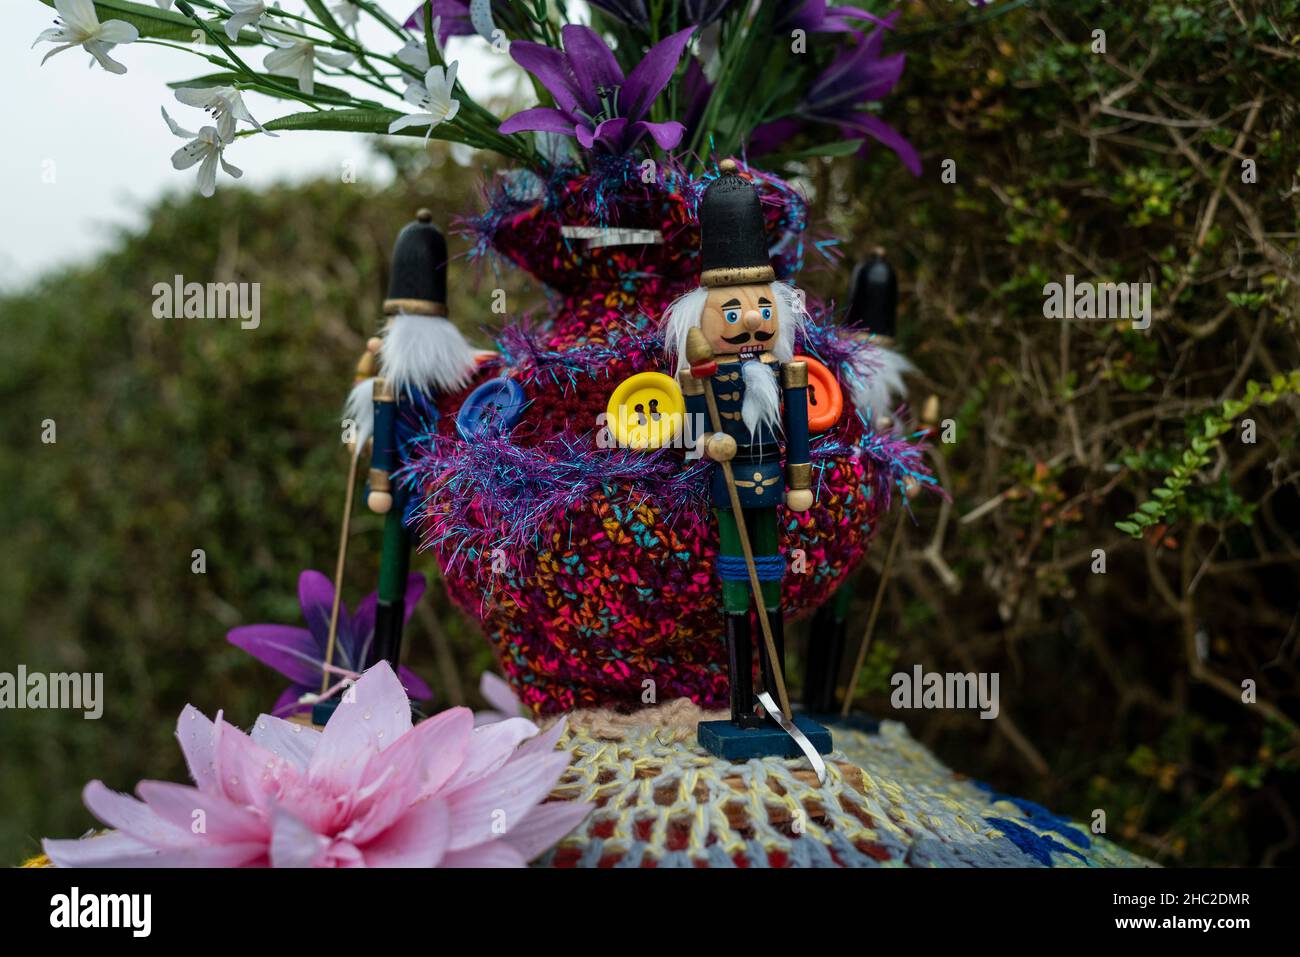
(645, 411)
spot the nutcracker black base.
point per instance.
(729, 741)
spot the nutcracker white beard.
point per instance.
(425, 354)
(762, 402)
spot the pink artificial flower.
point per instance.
(498, 693)
(368, 791)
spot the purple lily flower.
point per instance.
(854, 77)
(454, 19)
(299, 653)
(815, 16)
(696, 90)
(636, 13)
(594, 101)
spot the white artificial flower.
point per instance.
(224, 104)
(346, 12)
(416, 55)
(433, 99)
(297, 58)
(244, 13)
(206, 148)
(80, 26)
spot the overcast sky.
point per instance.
(102, 140)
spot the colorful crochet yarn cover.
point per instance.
(591, 568)
(665, 802)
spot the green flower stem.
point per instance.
(388, 22)
(215, 60)
(539, 16)
(376, 80)
(733, 63)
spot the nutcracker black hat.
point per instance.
(417, 283)
(873, 296)
(733, 241)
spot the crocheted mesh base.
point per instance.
(662, 801)
(665, 802)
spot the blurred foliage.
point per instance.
(1120, 690)
(182, 434)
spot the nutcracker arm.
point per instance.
(697, 412)
(794, 387)
(383, 456)
(359, 409)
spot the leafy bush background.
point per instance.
(1120, 691)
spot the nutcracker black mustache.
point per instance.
(743, 337)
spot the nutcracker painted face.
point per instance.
(739, 306)
(741, 320)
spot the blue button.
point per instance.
(494, 407)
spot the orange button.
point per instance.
(825, 399)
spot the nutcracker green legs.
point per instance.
(394, 569)
(736, 595)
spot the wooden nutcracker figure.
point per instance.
(733, 340)
(872, 313)
(420, 355)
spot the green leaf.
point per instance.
(323, 14)
(1128, 528)
(1136, 381)
(160, 24)
(370, 120)
(1151, 508)
(352, 121)
(230, 78)
(840, 148)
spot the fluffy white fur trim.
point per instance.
(424, 354)
(360, 408)
(876, 381)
